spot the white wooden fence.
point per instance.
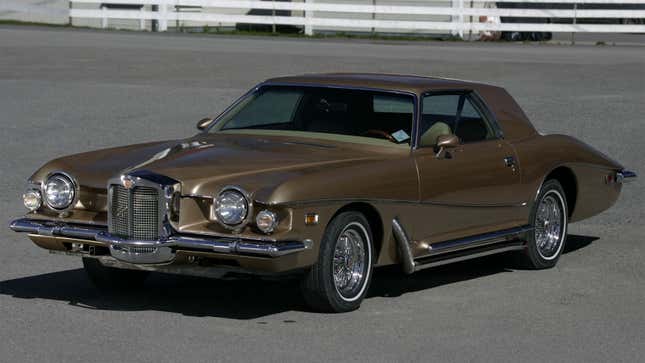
(456, 16)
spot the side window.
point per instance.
(472, 126)
(391, 104)
(438, 117)
(444, 114)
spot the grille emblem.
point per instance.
(121, 212)
(127, 182)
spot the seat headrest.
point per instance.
(429, 137)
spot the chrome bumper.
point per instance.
(161, 251)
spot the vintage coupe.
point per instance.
(325, 176)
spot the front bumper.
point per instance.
(160, 251)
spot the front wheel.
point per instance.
(549, 218)
(339, 280)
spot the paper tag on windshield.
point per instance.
(400, 136)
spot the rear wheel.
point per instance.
(339, 280)
(549, 219)
(109, 278)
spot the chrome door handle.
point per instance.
(509, 161)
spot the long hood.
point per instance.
(205, 163)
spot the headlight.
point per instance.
(231, 207)
(59, 191)
(266, 221)
(32, 200)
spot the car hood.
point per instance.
(205, 163)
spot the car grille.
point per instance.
(134, 213)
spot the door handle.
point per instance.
(509, 161)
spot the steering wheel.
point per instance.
(384, 134)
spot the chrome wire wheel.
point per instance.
(351, 261)
(550, 225)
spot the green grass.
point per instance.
(32, 23)
(339, 35)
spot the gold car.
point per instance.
(325, 176)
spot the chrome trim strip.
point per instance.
(509, 240)
(477, 240)
(501, 249)
(407, 260)
(397, 201)
(120, 247)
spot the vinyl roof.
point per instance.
(388, 82)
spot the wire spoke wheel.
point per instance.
(549, 225)
(349, 265)
(339, 280)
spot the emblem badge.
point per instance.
(127, 182)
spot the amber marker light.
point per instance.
(311, 219)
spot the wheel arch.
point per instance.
(569, 182)
(373, 218)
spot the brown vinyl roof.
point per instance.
(389, 82)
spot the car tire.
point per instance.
(112, 279)
(339, 280)
(549, 219)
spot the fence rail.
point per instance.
(460, 17)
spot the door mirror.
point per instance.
(446, 142)
(204, 123)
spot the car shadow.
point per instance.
(241, 298)
(575, 242)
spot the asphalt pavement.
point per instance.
(66, 91)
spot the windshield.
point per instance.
(346, 112)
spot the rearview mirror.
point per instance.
(204, 123)
(446, 142)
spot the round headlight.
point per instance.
(59, 191)
(231, 207)
(32, 200)
(266, 221)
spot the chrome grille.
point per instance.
(134, 213)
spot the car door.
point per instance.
(472, 188)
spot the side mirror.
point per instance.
(446, 142)
(204, 123)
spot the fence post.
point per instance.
(163, 19)
(273, 27)
(142, 21)
(309, 14)
(104, 17)
(575, 16)
(69, 14)
(461, 19)
(453, 17)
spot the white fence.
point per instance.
(456, 16)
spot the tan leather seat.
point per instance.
(429, 137)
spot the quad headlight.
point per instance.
(32, 200)
(266, 221)
(59, 191)
(231, 207)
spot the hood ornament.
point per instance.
(127, 181)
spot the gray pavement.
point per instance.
(66, 91)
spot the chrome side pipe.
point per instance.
(457, 250)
